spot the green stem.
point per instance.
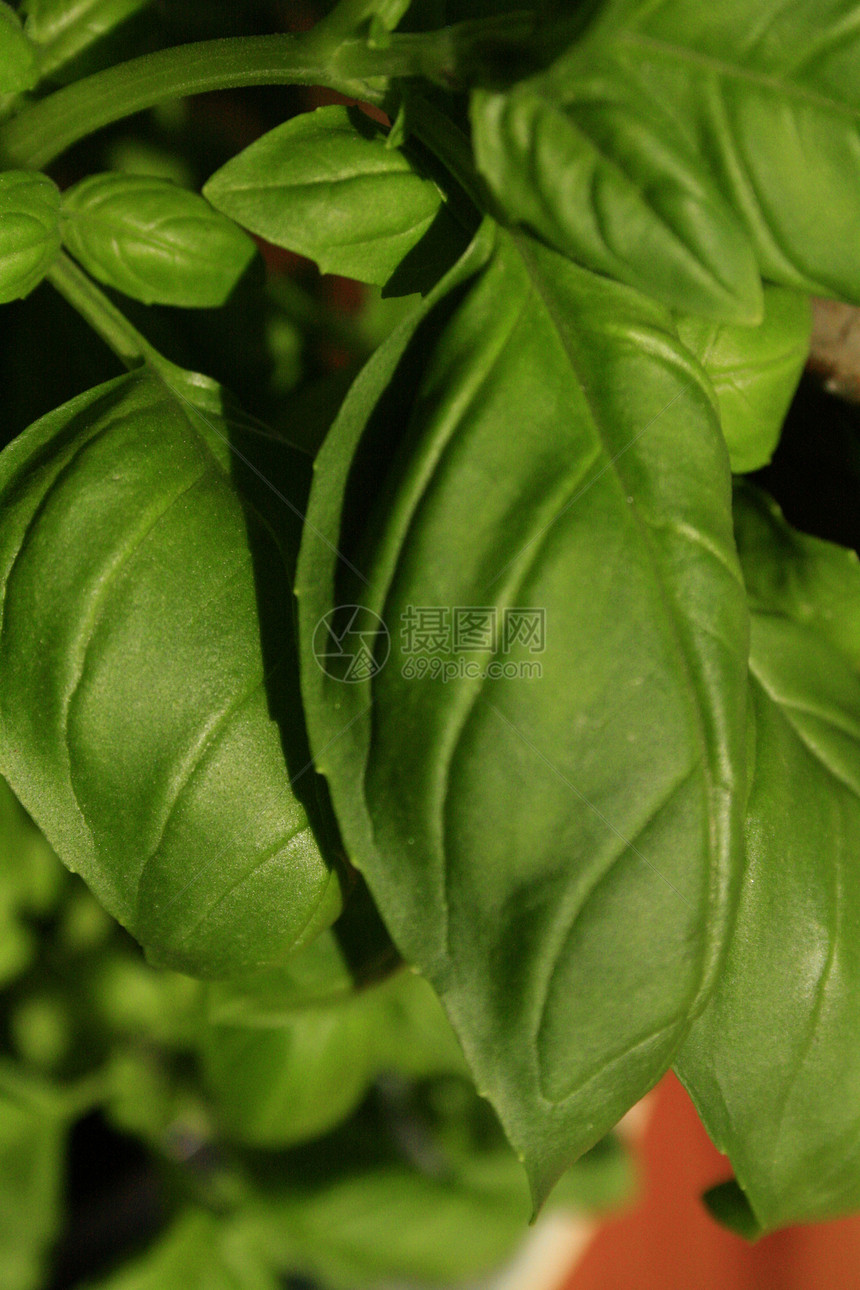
(45, 129)
(116, 331)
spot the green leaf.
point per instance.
(153, 240)
(609, 179)
(772, 1064)
(814, 583)
(755, 371)
(556, 853)
(412, 1035)
(17, 57)
(318, 975)
(200, 1250)
(275, 1086)
(325, 185)
(359, 1232)
(456, 1213)
(63, 29)
(32, 1138)
(768, 96)
(280, 1079)
(149, 714)
(30, 883)
(29, 230)
(138, 1002)
(26, 860)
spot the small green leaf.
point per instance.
(317, 976)
(556, 848)
(62, 29)
(139, 1002)
(40, 1030)
(278, 1085)
(285, 1076)
(412, 1035)
(200, 1250)
(18, 70)
(755, 371)
(779, 1033)
(31, 880)
(153, 240)
(29, 230)
(149, 714)
(814, 583)
(32, 1138)
(609, 179)
(325, 185)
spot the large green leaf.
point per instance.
(754, 370)
(149, 714)
(326, 185)
(609, 178)
(773, 1064)
(153, 240)
(556, 853)
(29, 231)
(768, 95)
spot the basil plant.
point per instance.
(420, 726)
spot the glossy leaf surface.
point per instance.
(149, 719)
(773, 1063)
(153, 240)
(556, 853)
(325, 185)
(755, 371)
(29, 231)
